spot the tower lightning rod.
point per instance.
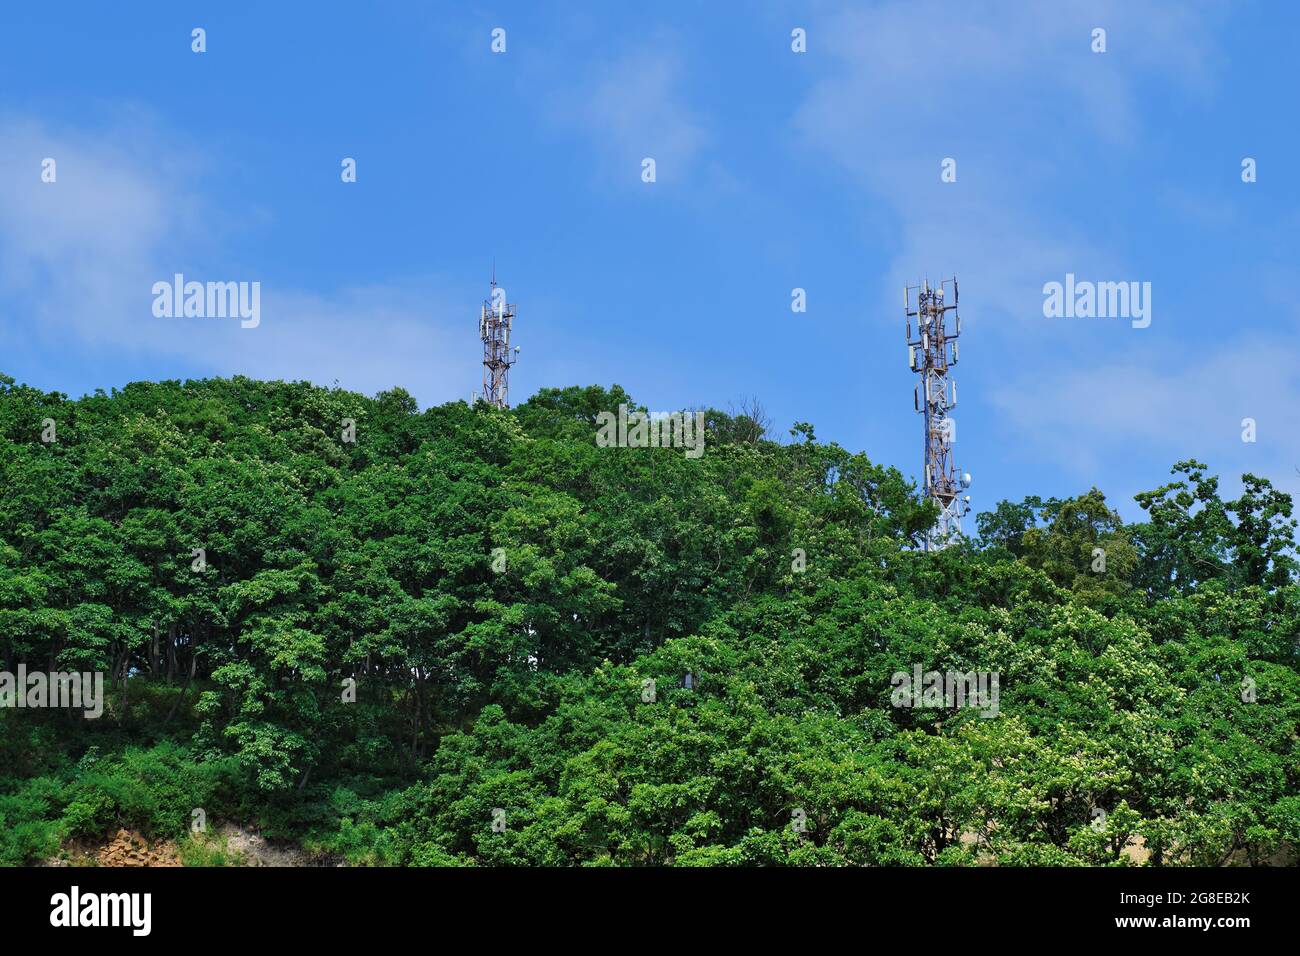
(931, 353)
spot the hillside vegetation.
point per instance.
(520, 609)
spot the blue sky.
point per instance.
(775, 170)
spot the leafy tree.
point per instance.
(464, 638)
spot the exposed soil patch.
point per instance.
(242, 847)
(127, 848)
(256, 850)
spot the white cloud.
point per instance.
(369, 338)
(1014, 93)
(79, 257)
(1099, 420)
(72, 250)
(1008, 90)
(631, 107)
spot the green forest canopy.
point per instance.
(519, 609)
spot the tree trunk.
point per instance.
(126, 666)
(194, 663)
(171, 653)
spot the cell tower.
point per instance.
(935, 395)
(494, 325)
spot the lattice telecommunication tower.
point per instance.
(494, 325)
(931, 353)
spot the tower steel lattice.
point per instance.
(931, 354)
(494, 327)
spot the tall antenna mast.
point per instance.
(935, 395)
(494, 325)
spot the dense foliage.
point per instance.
(520, 609)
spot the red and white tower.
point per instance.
(931, 353)
(494, 326)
